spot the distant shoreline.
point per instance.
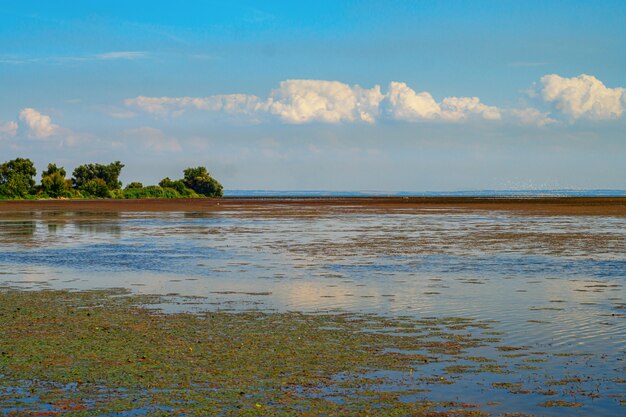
(277, 206)
(467, 193)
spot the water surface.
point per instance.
(552, 284)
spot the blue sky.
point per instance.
(337, 95)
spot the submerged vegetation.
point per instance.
(104, 352)
(109, 352)
(17, 181)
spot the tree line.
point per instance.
(17, 181)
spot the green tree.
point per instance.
(53, 182)
(179, 186)
(96, 187)
(199, 180)
(108, 173)
(134, 185)
(17, 178)
(166, 183)
(52, 169)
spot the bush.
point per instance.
(54, 186)
(109, 174)
(180, 187)
(95, 188)
(134, 185)
(17, 178)
(199, 180)
(118, 194)
(151, 191)
(53, 182)
(167, 183)
(99, 181)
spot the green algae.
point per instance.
(479, 359)
(104, 352)
(560, 403)
(507, 385)
(509, 348)
(107, 352)
(565, 381)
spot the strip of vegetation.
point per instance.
(102, 353)
(17, 181)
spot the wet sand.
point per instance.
(568, 206)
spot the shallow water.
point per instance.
(553, 284)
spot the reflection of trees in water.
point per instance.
(96, 215)
(54, 228)
(18, 228)
(95, 222)
(106, 227)
(199, 215)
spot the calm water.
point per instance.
(467, 193)
(553, 284)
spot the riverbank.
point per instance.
(568, 206)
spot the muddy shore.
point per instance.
(570, 206)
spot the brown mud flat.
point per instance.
(568, 206)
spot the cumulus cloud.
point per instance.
(305, 101)
(32, 124)
(583, 97)
(154, 139)
(302, 101)
(459, 108)
(8, 129)
(406, 104)
(39, 125)
(403, 103)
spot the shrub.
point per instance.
(109, 174)
(180, 188)
(199, 180)
(17, 178)
(95, 188)
(134, 185)
(53, 182)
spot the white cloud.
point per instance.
(160, 106)
(532, 116)
(583, 97)
(154, 139)
(229, 103)
(405, 104)
(306, 101)
(32, 124)
(8, 130)
(39, 125)
(459, 108)
(303, 101)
